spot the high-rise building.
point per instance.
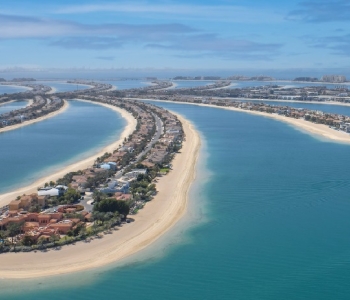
(333, 78)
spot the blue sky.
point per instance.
(189, 34)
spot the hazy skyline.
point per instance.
(168, 34)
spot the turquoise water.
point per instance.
(6, 89)
(191, 83)
(30, 152)
(275, 223)
(12, 106)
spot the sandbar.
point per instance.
(7, 102)
(88, 162)
(53, 90)
(151, 222)
(320, 130)
(29, 122)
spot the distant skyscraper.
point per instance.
(333, 78)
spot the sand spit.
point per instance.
(5, 198)
(316, 129)
(29, 122)
(156, 218)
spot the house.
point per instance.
(25, 201)
(116, 186)
(134, 173)
(52, 191)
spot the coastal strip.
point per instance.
(53, 91)
(30, 102)
(309, 127)
(29, 122)
(156, 218)
(24, 88)
(130, 127)
(7, 102)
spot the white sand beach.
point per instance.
(316, 129)
(6, 198)
(7, 102)
(156, 218)
(113, 88)
(53, 90)
(29, 122)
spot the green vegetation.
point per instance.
(111, 205)
(103, 157)
(69, 197)
(67, 179)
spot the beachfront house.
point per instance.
(116, 186)
(52, 191)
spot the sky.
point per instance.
(192, 34)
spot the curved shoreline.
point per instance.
(26, 88)
(8, 102)
(156, 218)
(312, 128)
(288, 101)
(30, 102)
(130, 127)
(25, 123)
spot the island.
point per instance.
(84, 203)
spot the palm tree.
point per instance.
(13, 229)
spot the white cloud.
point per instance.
(226, 13)
(29, 27)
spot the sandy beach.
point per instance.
(30, 102)
(25, 123)
(53, 90)
(6, 198)
(7, 102)
(285, 101)
(309, 127)
(173, 86)
(25, 88)
(156, 218)
(113, 88)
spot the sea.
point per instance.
(62, 86)
(268, 214)
(9, 89)
(31, 152)
(7, 107)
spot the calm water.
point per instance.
(276, 213)
(32, 151)
(12, 106)
(191, 83)
(6, 89)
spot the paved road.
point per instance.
(158, 133)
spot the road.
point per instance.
(158, 133)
